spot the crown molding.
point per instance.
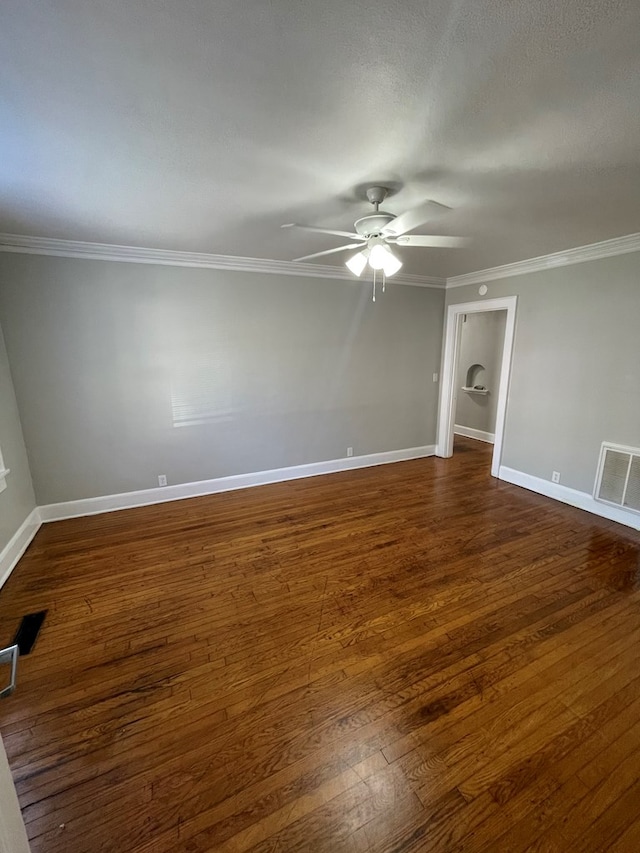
(23, 244)
(592, 252)
(55, 247)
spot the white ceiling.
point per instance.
(202, 125)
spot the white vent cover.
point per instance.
(618, 477)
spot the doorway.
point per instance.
(475, 375)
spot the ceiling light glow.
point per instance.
(356, 263)
(376, 257)
(379, 256)
(390, 264)
(382, 258)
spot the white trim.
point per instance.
(3, 473)
(17, 545)
(139, 255)
(582, 500)
(452, 331)
(470, 432)
(53, 246)
(145, 497)
(591, 252)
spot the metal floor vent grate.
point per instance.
(618, 477)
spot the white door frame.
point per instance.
(444, 446)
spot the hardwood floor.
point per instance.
(414, 657)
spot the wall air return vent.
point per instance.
(618, 477)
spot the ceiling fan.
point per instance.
(376, 232)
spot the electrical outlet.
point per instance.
(555, 477)
(349, 451)
(162, 479)
(435, 377)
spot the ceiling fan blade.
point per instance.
(412, 218)
(352, 235)
(434, 241)
(330, 251)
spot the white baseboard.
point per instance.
(145, 497)
(582, 500)
(17, 545)
(19, 542)
(469, 432)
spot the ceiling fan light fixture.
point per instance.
(382, 258)
(374, 232)
(391, 264)
(356, 263)
(376, 256)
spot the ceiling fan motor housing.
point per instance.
(372, 225)
(367, 226)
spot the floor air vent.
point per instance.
(618, 478)
(27, 633)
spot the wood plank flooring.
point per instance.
(414, 657)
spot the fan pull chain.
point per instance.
(374, 287)
(384, 280)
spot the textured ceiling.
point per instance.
(204, 124)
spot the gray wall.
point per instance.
(481, 342)
(17, 500)
(126, 371)
(576, 368)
